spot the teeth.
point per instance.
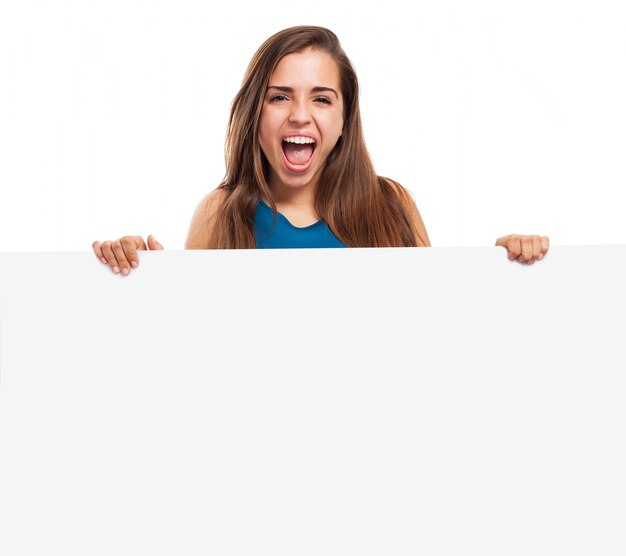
(300, 140)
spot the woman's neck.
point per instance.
(297, 204)
(298, 197)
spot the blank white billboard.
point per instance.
(323, 401)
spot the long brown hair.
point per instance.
(360, 207)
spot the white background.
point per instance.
(499, 117)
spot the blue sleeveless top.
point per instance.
(285, 235)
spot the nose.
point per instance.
(299, 113)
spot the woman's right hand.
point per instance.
(121, 254)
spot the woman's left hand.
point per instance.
(526, 249)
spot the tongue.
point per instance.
(298, 154)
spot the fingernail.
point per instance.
(103, 260)
(134, 263)
(124, 271)
(115, 269)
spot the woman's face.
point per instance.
(302, 99)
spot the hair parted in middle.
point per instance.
(360, 207)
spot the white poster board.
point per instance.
(331, 401)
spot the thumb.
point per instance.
(503, 241)
(153, 244)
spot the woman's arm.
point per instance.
(202, 221)
(413, 213)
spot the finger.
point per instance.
(503, 241)
(124, 265)
(130, 244)
(545, 246)
(536, 246)
(527, 249)
(107, 251)
(97, 249)
(515, 247)
(153, 244)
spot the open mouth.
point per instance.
(298, 153)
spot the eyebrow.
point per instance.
(314, 89)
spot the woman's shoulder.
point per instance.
(214, 200)
(403, 194)
(398, 189)
(202, 221)
(408, 203)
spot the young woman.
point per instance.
(298, 173)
